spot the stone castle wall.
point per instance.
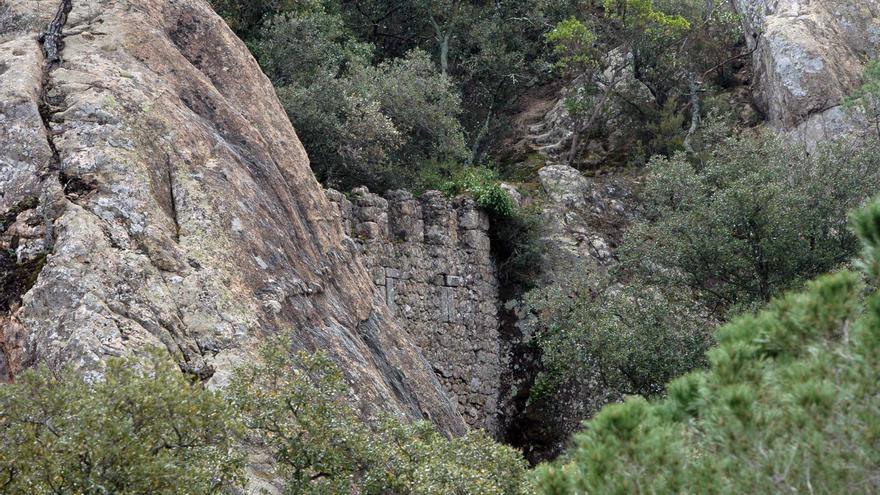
(430, 259)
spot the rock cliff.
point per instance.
(809, 55)
(153, 193)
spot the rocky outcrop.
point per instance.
(154, 194)
(582, 220)
(430, 259)
(809, 55)
(612, 136)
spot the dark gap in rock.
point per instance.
(200, 373)
(16, 279)
(76, 188)
(53, 39)
(8, 218)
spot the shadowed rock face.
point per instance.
(155, 194)
(810, 54)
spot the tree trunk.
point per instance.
(442, 45)
(594, 115)
(484, 131)
(696, 119)
(444, 54)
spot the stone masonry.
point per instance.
(430, 259)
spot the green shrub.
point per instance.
(788, 405)
(718, 236)
(298, 406)
(633, 339)
(482, 183)
(751, 219)
(141, 427)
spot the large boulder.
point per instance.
(153, 193)
(809, 55)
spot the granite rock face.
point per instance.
(810, 54)
(155, 194)
(430, 259)
(582, 220)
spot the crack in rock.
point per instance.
(52, 39)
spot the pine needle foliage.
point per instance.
(789, 404)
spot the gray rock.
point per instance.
(166, 202)
(809, 55)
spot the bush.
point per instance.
(632, 338)
(754, 218)
(361, 124)
(143, 427)
(298, 406)
(718, 236)
(480, 182)
(789, 404)
(423, 105)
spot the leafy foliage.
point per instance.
(789, 404)
(363, 124)
(142, 427)
(369, 103)
(634, 338)
(746, 223)
(574, 45)
(298, 406)
(720, 234)
(480, 182)
(642, 62)
(422, 104)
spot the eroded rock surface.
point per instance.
(583, 219)
(810, 54)
(155, 194)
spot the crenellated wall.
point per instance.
(430, 259)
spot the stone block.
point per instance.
(476, 239)
(390, 295)
(469, 219)
(368, 230)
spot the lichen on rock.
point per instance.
(182, 210)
